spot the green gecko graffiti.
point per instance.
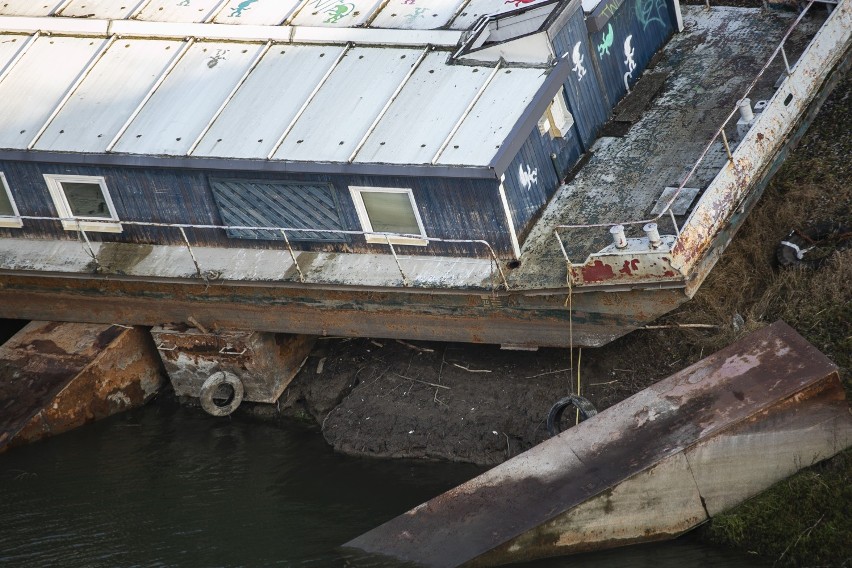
(336, 13)
(241, 7)
(608, 37)
(412, 17)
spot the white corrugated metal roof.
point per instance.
(259, 12)
(178, 10)
(271, 90)
(336, 13)
(407, 15)
(475, 9)
(189, 97)
(28, 7)
(104, 9)
(309, 96)
(129, 68)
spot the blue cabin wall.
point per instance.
(534, 176)
(454, 208)
(587, 99)
(627, 41)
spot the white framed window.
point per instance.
(388, 210)
(83, 202)
(557, 119)
(9, 216)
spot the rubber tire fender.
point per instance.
(554, 417)
(208, 389)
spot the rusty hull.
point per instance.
(57, 376)
(264, 362)
(648, 468)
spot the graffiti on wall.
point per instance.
(577, 58)
(528, 176)
(650, 11)
(240, 8)
(335, 10)
(606, 43)
(629, 51)
(518, 3)
(412, 17)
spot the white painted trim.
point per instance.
(516, 246)
(678, 16)
(69, 220)
(54, 25)
(367, 226)
(14, 221)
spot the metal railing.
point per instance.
(495, 269)
(720, 133)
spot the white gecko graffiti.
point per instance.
(528, 176)
(578, 58)
(629, 50)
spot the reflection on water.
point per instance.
(166, 486)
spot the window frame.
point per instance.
(14, 220)
(71, 222)
(557, 111)
(367, 226)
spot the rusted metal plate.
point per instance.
(57, 376)
(264, 362)
(505, 512)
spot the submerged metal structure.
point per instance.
(649, 468)
(159, 163)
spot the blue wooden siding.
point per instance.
(587, 99)
(532, 177)
(450, 208)
(639, 27)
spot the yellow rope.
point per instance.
(579, 355)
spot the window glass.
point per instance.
(86, 199)
(6, 209)
(390, 212)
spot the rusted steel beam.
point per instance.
(57, 376)
(465, 316)
(649, 468)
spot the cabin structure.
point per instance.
(386, 169)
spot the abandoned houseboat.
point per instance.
(390, 169)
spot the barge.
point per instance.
(544, 173)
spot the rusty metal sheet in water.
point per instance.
(655, 425)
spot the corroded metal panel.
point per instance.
(185, 102)
(266, 103)
(638, 261)
(264, 362)
(57, 376)
(436, 93)
(257, 12)
(642, 442)
(37, 83)
(130, 67)
(483, 131)
(340, 113)
(408, 15)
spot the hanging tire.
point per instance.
(554, 417)
(221, 394)
(813, 247)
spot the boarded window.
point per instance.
(83, 202)
(8, 212)
(278, 205)
(557, 119)
(388, 210)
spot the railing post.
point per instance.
(293, 256)
(398, 265)
(87, 244)
(727, 146)
(189, 248)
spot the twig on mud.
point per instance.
(508, 448)
(424, 382)
(548, 373)
(599, 384)
(376, 343)
(804, 533)
(471, 370)
(625, 370)
(416, 348)
(677, 325)
(441, 374)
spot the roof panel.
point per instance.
(350, 100)
(101, 9)
(424, 113)
(267, 102)
(178, 10)
(185, 102)
(10, 45)
(260, 12)
(495, 113)
(404, 14)
(34, 87)
(478, 8)
(28, 7)
(336, 13)
(118, 82)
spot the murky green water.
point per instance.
(167, 486)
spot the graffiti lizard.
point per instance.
(518, 3)
(241, 7)
(338, 12)
(577, 58)
(609, 36)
